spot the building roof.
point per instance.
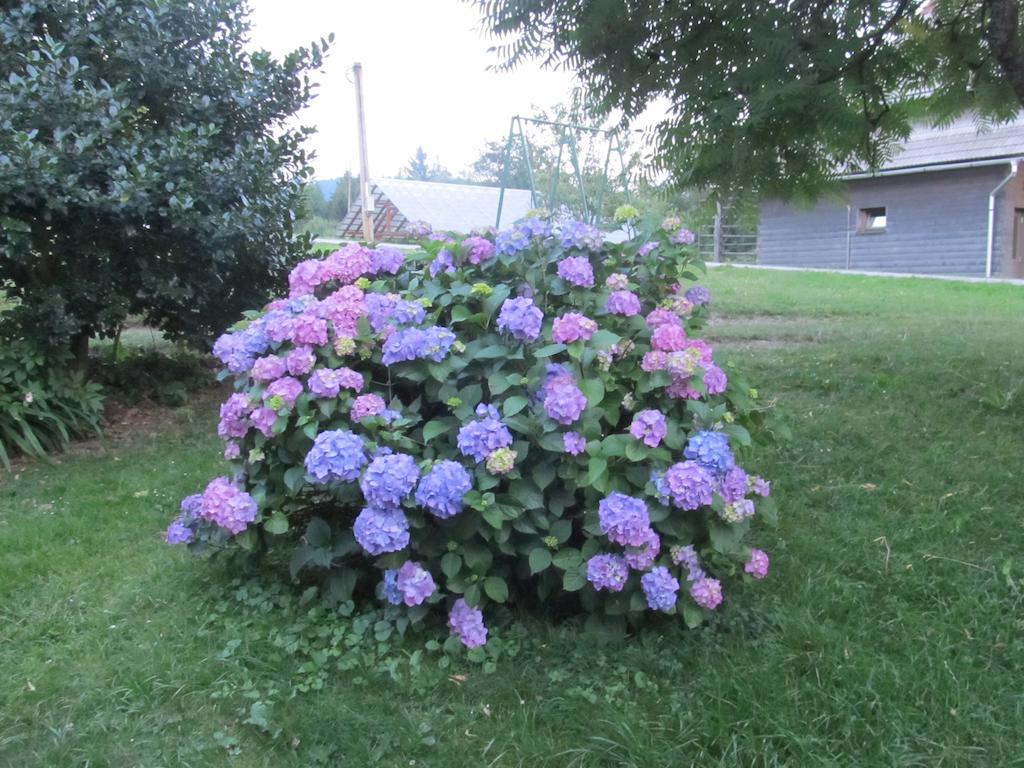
(455, 207)
(964, 141)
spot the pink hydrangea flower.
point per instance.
(625, 303)
(668, 338)
(757, 565)
(301, 361)
(572, 326)
(367, 405)
(707, 593)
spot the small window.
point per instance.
(872, 220)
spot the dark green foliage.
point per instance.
(42, 406)
(146, 165)
(768, 96)
(165, 377)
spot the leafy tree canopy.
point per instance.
(146, 165)
(775, 97)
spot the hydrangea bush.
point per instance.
(504, 417)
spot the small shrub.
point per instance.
(43, 405)
(496, 419)
(165, 377)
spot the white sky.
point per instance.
(425, 77)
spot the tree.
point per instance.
(417, 169)
(313, 201)
(337, 205)
(147, 166)
(776, 97)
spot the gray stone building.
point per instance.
(951, 201)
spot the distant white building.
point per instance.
(397, 203)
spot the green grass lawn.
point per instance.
(889, 633)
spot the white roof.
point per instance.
(455, 207)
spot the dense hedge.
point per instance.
(494, 418)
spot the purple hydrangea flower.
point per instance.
(477, 439)
(687, 485)
(467, 624)
(178, 532)
(232, 450)
(734, 485)
(715, 380)
(624, 519)
(646, 248)
(309, 329)
(574, 443)
(287, 388)
(607, 572)
(511, 241)
(389, 479)
(278, 325)
(661, 316)
(649, 426)
(707, 593)
(698, 295)
(623, 303)
(683, 237)
(348, 264)
(391, 592)
(305, 277)
(367, 405)
(227, 505)
(415, 583)
(479, 249)
(668, 338)
(757, 565)
(386, 259)
(572, 326)
(325, 383)
(564, 402)
(381, 529)
(660, 588)
(418, 229)
(687, 556)
(443, 262)
(263, 419)
(761, 486)
(336, 456)
(641, 558)
(301, 361)
(711, 450)
(268, 368)
(580, 235)
(576, 270)
(441, 490)
(520, 318)
(234, 417)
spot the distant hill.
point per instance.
(327, 186)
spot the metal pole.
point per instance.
(849, 235)
(717, 257)
(504, 171)
(364, 164)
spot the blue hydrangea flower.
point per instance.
(477, 439)
(441, 490)
(698, 295)
(711, 450)
(336, 456)
(391, 592)
(231, 349)
(416, 343)
(624, 519)
(389, 479)
(381, 529)
(521, 318)
(580, 235)
(178, 532)
(415, 583)
(660, 588)
(511, 241)
(608, 572)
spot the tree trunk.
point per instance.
(80, 350)
(1002, 33)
